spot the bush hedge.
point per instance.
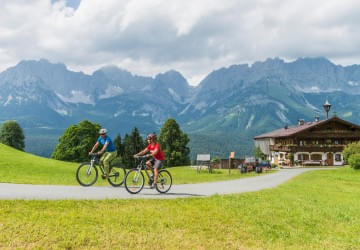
(354, 161)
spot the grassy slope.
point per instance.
(20, 167)
(317, 210)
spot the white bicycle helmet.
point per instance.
(103, 131)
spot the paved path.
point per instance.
(48, 192)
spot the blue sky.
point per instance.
(148, 37)
(70, 3)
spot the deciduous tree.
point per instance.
(12, 135)
(173, 143)
(76, 142)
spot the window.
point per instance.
(303, 157)
(316, 157)
(337, 157)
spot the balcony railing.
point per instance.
(307, 148)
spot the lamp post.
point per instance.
(327, 107)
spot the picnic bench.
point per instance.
(203, 161)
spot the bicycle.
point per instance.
(135, 180)
(87, 173)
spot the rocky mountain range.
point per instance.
(221, 114)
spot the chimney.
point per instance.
(317, 118)
(301, 122)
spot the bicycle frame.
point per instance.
(95, 161)
(142, 166)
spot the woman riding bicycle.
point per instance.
(109, 147)
(157, 156)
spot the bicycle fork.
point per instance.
(88, 172)
(136, 176)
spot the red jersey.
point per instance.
(160, 155)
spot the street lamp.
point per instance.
(327, 107)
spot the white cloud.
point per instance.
(193, 37)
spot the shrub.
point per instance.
(351, 149)
(354, 161)
(215, 160)
(274, 165)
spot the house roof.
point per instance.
(290, 131)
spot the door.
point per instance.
(330, 159)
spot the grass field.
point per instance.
(20, 167)
(317, 210)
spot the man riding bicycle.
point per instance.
(108, 146)
(157, 156)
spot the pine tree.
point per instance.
(12, 135)
(173, 143)
(118, 145)
(76, 142)
(131, 145)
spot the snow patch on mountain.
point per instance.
(77, 96)
(111, 91)
(248, 125)
(61, 111)
(146, 88)
(201, 106)
(185, 110)
(281, 106)
(315, 89)
(7, 102)
(353, 83)
(174, 95)
(213, 104)
(139, 113)
(310, 105)
(118, 113)
(282, 117)
(221, 110)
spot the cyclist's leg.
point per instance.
(149, 165)
(107, 157)
(157, 165)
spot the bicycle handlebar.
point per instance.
(141, 156)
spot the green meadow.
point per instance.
(316, 210)
(21, 167)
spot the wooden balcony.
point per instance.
(307, 148)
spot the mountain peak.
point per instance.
(171, 74)
(314, 61)
(44, 63)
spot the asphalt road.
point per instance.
(48, 192)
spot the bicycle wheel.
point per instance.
(134, 181)
(117, 175)
(164, 181)
(86, 175)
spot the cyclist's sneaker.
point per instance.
(152, 185)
